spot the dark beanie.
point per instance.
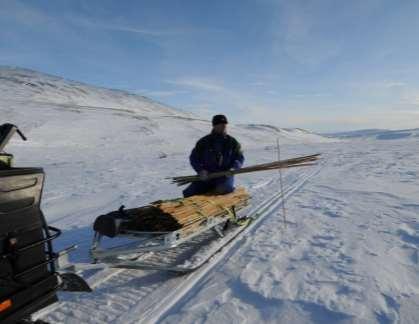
(219, 119)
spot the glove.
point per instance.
(203, 175)
(236, 165)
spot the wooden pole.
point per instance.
(295, 162)
(281, 185)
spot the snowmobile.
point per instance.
(29, 272)
(177, 235)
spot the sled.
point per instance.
(213, 221)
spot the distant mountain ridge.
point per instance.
(377, 134)
(24, 84)
(41, 103)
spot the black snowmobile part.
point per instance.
(73, 283)
(6, 161)
(6, 133)
(28, 276)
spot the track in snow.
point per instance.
(136, 296)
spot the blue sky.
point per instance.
(321, 65)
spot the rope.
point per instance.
(228, 210)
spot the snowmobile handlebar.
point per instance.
(22, 136)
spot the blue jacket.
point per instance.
(215, 152)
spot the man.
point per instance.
(215, 152)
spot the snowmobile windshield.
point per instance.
(6, 133)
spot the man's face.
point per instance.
(220, 128)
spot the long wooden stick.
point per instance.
(295, 162)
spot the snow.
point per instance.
(349, 255)
(349, 252)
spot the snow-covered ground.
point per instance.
(349, 253)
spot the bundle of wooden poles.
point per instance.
(290, 163)
(171, 215)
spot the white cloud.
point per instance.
(297, 31)
(311, 95)
(155, 32)
(160, 93)
(202, 109)
(218, 97)
(137, 30)
(259, 83)
(198, 84)
(410, 97)
(23, 14)
(379, 84)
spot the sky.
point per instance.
(321, 65)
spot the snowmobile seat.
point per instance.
(28, 281)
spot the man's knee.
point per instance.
(188, 192)
(225, 187)
(195, 188)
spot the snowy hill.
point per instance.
(54, 110)
(377, 134)
(27, 85)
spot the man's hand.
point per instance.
(203, 175)
(236, 165)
